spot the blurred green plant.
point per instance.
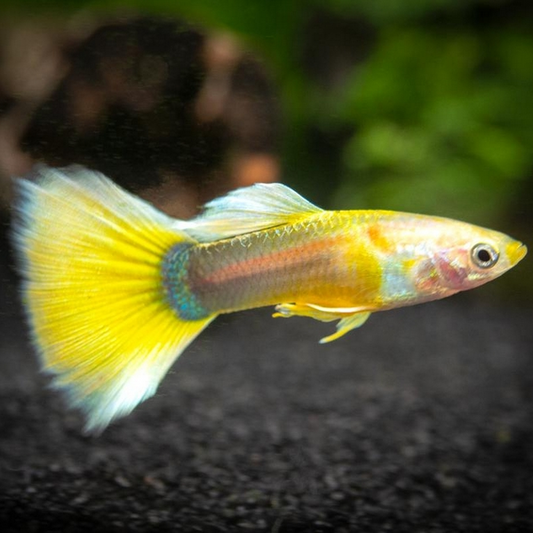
(444, 121)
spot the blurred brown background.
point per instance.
(176, 114)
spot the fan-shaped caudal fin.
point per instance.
(92, 256)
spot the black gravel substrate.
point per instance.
(419, 421)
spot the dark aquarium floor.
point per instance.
(422, 420)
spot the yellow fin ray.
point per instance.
(345, 325)
(253, 208)
(92, 255)
(350, 317)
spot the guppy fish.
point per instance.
(116, 290)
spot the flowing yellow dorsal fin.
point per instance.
(246, 210)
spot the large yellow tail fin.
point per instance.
(92, 258)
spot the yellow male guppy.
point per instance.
(115, 290)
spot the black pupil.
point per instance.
(484, 256)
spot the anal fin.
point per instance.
(349, 317)
(347, 324)
(288, 310)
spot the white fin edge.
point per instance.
(339, 310)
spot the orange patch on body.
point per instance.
(377, 238)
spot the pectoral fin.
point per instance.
(350, 317)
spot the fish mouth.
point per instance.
(516, 252)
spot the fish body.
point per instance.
(366, 260)
(115, 290)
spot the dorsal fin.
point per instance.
(248, 209)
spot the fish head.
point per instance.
(463, 256)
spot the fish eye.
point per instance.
(484, 255)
